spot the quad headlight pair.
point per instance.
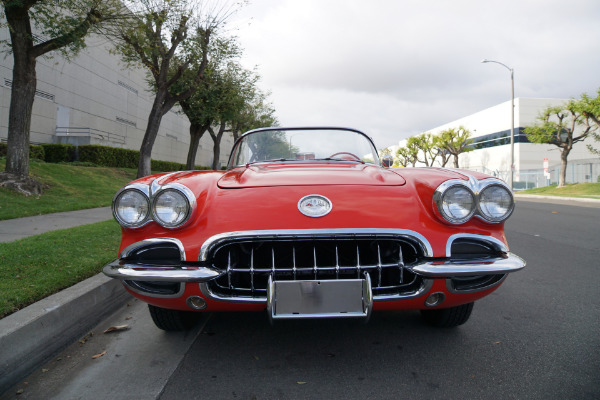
(170, 205)
(458, 201)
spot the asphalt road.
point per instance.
(537, 337)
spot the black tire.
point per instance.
(448, 317)
(172, 320)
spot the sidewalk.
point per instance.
(33, 335)
(19, 228)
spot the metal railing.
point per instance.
(89, 132)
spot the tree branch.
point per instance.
(93, 17)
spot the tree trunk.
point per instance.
(154, 120)
(456, 161)
(23, 93)
(563, 168)
(217, 145)
(196, 133)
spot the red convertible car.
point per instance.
(307, 223)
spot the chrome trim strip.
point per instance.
(162, 296)
(451, 289)
(119, 270)
(146, 242)
(446, 269)
(498, 244)
(425, 287)
(326, 233)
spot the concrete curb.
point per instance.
(33, 335)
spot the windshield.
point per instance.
(333, 144)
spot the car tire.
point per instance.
(448, 317)
(172, 320)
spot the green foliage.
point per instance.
(35, 152)
(109, 156)
(454, 141)
(55, 153)
(408, 154)
(589, 108)
(561, 126)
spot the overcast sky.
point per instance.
(398, 68)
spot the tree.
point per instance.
(442, 153)
(589, 108)
(454, 141)
(257, 112)
(408, 154)
(202, 106)
(426, 145)
(168, 38)
(38, 28)
(557, 126)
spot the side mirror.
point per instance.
(387, 161)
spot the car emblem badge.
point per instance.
(314, 205)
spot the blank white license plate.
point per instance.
(319, 298)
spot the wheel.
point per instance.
(448, 317)
(172, 320)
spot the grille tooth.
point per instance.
(250, 261)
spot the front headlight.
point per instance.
(496, 203)
(131, 208)
(457, 204)
(170, 208)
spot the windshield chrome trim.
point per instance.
(300, 128)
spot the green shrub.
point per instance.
(96, 155)
(35, 152)
(108, 156)
(55, 153)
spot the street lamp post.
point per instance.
(512, 119)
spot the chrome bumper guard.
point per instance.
(119, 269)
(449, 269)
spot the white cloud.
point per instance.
(396, 68)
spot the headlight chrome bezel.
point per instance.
(139, 188)
(188, 196)
(476, 188)
(150, 193)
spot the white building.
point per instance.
(94, 99)
(490, 131)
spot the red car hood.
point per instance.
(306, 174)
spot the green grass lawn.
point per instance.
(38, 266)
(69, 188)
(591, 190)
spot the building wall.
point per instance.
(495, 121)
(95, 99)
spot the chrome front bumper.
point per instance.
(451, 269)
(120, 269)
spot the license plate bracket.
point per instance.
(342, 298)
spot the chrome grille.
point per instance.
(249, 262)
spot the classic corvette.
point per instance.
(310, 223)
